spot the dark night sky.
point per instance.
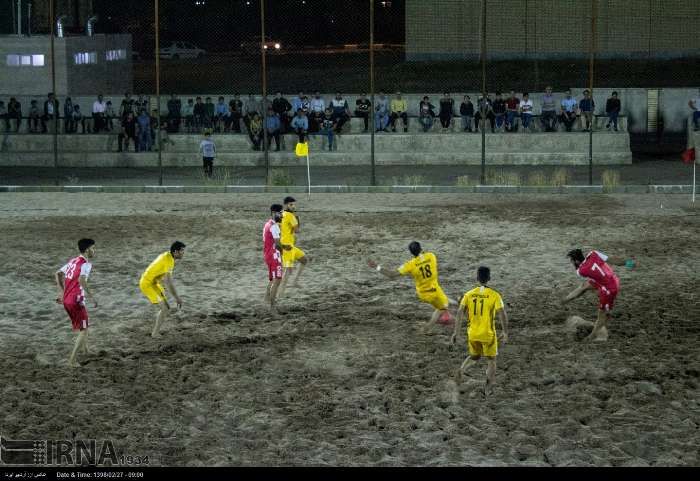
(222, 24)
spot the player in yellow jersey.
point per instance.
(423, 268)
(159, 271)
(289, 228)
(482, 305)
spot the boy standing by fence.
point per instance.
(207, 147)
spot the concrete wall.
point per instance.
(451, 29)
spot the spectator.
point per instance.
(174, 114)
(14, 111)
(512, 105)
(327, 126)
(318, 107)
(98, 114)
(68, 123)
(362, 109)
(144, 131)
(612, 109)
(399, 108)
(549, 111)
(568, 110)
(466, 111)
(282, 108)
(4, 117)
(141, 103)
(340, 112)
(256, 131)
(499, 111)
(164, 135)
(155, 122)
(34, 116)
(300, 125)
(207, 148)
(128, 132)
(273, 125)
(109, 116)
(50, 112)
(235, 106)
(126, 106)
(300, 102)
(188, 114)
(381, 113)
(587, 106)
(485, 106)
(209, 113)
(200, 114)
(220, 114)
(426, 114)
(78, 119)
(526, 107)
(252, 107)
(694, 105)
(447, 111)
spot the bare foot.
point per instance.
(155, 335)
(488, 389)
(73, 364)
(458, 375)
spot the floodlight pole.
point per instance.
(263, 101)
(373, 178)
(591, 64)
(160, 146)
(484, 106)
(52, 15)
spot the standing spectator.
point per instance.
(109, 116)
(141, 103)
(235, 113)
(362, 109)
(526, 108)
(68, 122)
(200, 114)
(14, 111)
(282, 108)
(34, 117)
(220, 114)
(209, 113)
(381, 113)
(340, 111)
(300, 125)
(327, 126)
(126, 106)
(256, 131)
(318, 107)
(4, 117)
(207, 148)
(485, 106)
(466, 111)
(426, 114)
(188, 114)
(568, 110)
(128, 132)
(399, 108)
(174, 114)
(50, 112)
(252, 107)
(98, 114)
(273, 125)
(549, 111)
(155, 126)
(144, 131)
(499, 111)
(512, 105)
(79, 119)
(613, 108)
(447, 111)
(587, 106)
(694, 105)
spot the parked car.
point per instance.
(177, 50)
(253, 46)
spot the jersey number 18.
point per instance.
(425, 271)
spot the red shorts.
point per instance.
(78, 316)
(274, 269)
(606, 298)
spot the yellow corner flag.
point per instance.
(302, 149)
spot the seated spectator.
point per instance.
(485, 110)
(14, 111)
(526, 110)
(34, 116)
(466, 111)
(300, 125)
(399, 109)
(174, 114)
(273, 125)
(220, 114)
(252, 107)
(209, 113)
(143, 122)
(694, 105)
(362, 109)
(255, 131)
(51, 112)
(587, 107)
(68, 123)
(109, 116)
(426, 113)
(79, 119)
(235, 114)
(381, 113)
(318, 107)
(200, 114)
(612, 109)
(568, 110)
(4, 118)
(499, 111)
(98, 113)
(549, 111)
(282, 108)
(340, 111)
(447, 111)
(327, 127)
(188, 114)
(512, 106)
(128, 132)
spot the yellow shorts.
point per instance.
(488, 349)
(435, 298)
(154, 292)
(290, 257)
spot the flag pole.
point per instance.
(694, 164)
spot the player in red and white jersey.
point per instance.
(71, 280)
(599, 275)
(272, 252)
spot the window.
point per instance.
(84, 58)
(113, 55)
(38, 60)
(13, 60)
(16, 60)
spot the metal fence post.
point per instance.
(263, 101)
(373, 178)
(484, 108)
(157, 50)
(594, 11)
(52, 15)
